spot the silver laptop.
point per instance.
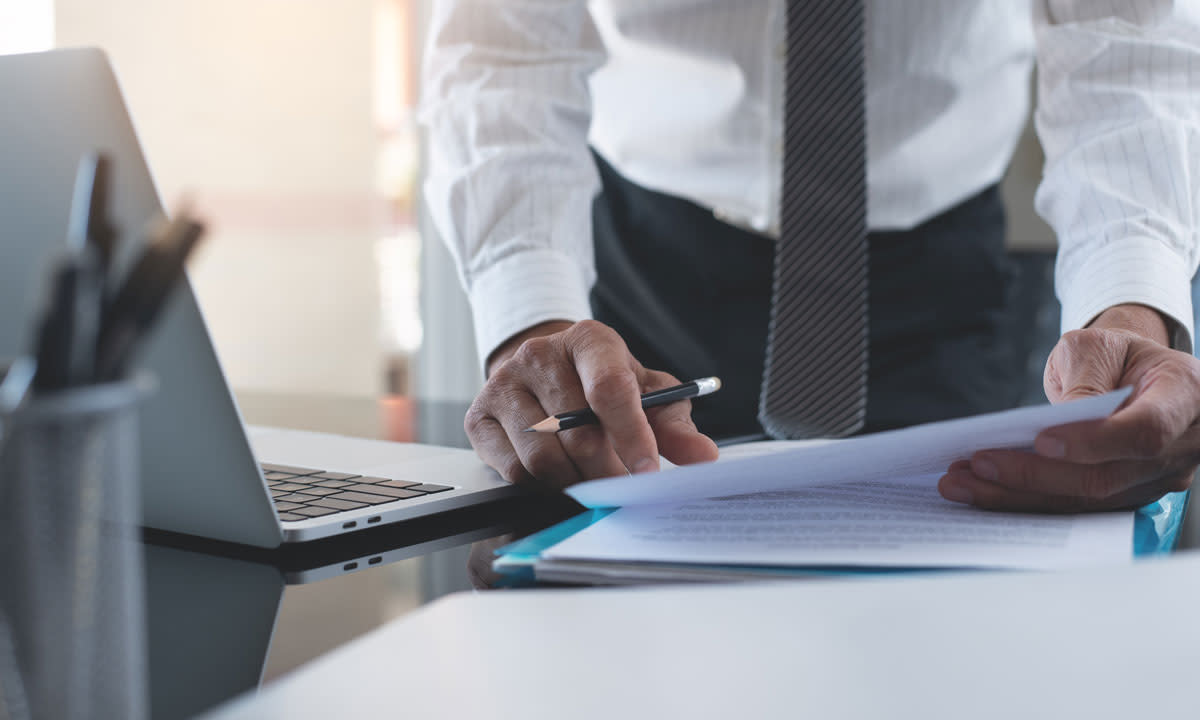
(203, 473)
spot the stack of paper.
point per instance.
(776, 509)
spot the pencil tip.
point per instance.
(549, 425)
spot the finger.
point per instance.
(678, 438)
(541, 453)
(1029, 473)
(491, 443)
(964, 487)
(961, 486)
(1084, 363)
(1148, 493)
(512, 407)
(479, 561)
(1155, 419)
(612, 383)
(544, 367)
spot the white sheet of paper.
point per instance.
(918, 450)
(901, 523)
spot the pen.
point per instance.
(88, 223)
(575, 418)
(14, 388)
(67, 336)
(143, 294)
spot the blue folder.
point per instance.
(1156, 530)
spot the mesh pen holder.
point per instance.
(72, 636)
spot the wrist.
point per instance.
(1138, 319)
(510, 346)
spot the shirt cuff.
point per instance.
(522, 290)
(1134, 270)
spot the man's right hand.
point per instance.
(559, 366)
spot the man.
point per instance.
(685, 116)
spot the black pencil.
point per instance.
(575, 418)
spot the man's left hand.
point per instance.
(1147, 448)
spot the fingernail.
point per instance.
(957, 493)
(1050, 447)
(985, 469)
(644, 465)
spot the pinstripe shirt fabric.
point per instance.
(685, 96)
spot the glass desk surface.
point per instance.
(223, 619)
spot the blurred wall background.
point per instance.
(262, 112)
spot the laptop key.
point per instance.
(398, 483)
(320, 492)
(278, 476)
(428, 488)
(372, 480)
(363, 498)
(290, 469)
(290, 487)
(335, 476)
(285, 506)
(339, 504)
(291, 517)
(279, 493)
(391, 492)
(333, 483)
(296, 497)
(311, 511)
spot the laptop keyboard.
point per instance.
(303, 493)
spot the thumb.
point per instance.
(1084, 363)
(676, 434)
(680, 442)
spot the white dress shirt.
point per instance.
(685, 96)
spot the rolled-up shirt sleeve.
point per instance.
(510, 180)
(1119, 118)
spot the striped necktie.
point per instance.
(815, 373)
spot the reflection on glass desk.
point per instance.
(223, 619)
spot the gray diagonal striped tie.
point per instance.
(814, 378)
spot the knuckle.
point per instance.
(513, 471)
(474, 420)
(611, 389)
(589, 327)
(480, 417)
(594, 336)
(1075, 338)
(541, 463)
(502, 377)
(1087, 342)
(585, 443)
(538, 353)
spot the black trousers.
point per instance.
(691, 295)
